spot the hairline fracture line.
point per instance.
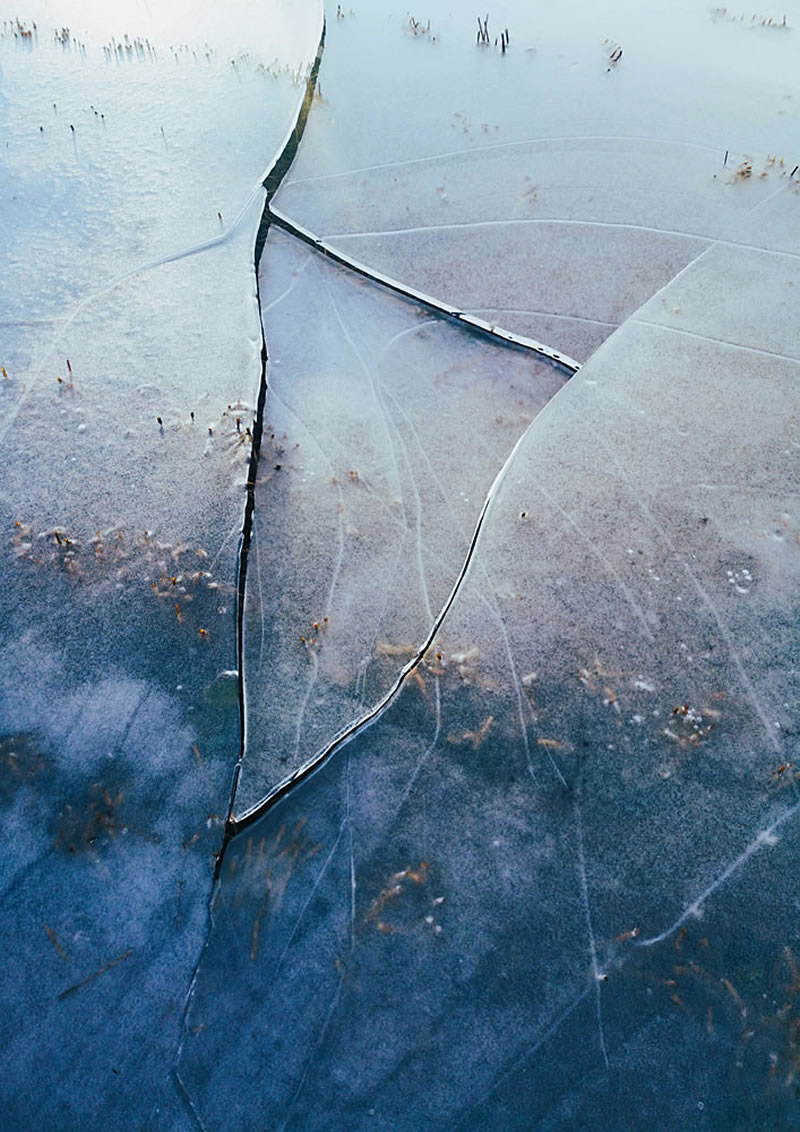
(764, 838)
(478, 325)
(544, 141)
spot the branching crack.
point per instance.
(234, 824)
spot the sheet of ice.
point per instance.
(553, 883)
(557, 889)
(129, 345)
(580, 186)
(384, 428)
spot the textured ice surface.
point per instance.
(384, 429)
(130, 343)
(545, 188)
(553, 883)
(554, 887)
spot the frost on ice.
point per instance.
(384, 429)
(549, 884)
(541, 656)
(552, 884)
(544, 189)
(130, 172)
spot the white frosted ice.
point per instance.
(579, 187)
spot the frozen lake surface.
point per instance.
(398, 729)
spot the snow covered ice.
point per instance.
(495, 826)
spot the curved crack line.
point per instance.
(479, 325)
(716, 341)
(545, 314)
(550, 1028)
(355, 727)
(764, 838)
(497, 146)
(598, 976)
(564, 222)
(518, 222)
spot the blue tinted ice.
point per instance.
(121, 503)
(384, 429)
(551, 885)
(579, 185)
(503, 836)
(547, 885)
